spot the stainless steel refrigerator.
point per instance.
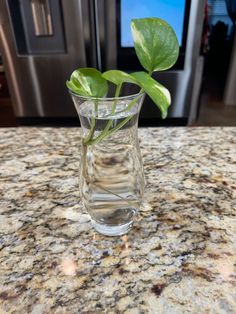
(42, 41)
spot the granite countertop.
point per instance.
(180, 256)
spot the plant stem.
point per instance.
(109, 123)
(113, 109)
(109, 132)
(130, 105)
(93, 123)
(119, 126)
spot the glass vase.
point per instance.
(111, 171)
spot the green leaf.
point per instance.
(157, 92)
(118, 77)
(155, 43)
(88, 82)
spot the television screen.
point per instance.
(170, 10)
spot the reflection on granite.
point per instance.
(180, 256)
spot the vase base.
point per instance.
(112, 231)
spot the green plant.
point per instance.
(157, 49)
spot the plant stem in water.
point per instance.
(93, 123)
(107, 132)
(103, 135)
(89, 140)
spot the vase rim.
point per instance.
(107, 98)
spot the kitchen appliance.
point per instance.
(43, 41)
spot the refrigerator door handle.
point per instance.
(42, 18)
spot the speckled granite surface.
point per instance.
(180, 256)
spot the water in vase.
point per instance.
(111, 180)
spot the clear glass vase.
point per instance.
(111, 170)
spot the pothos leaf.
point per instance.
(118, 77)
(157, 92)
(88, 82)
(155, 43)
